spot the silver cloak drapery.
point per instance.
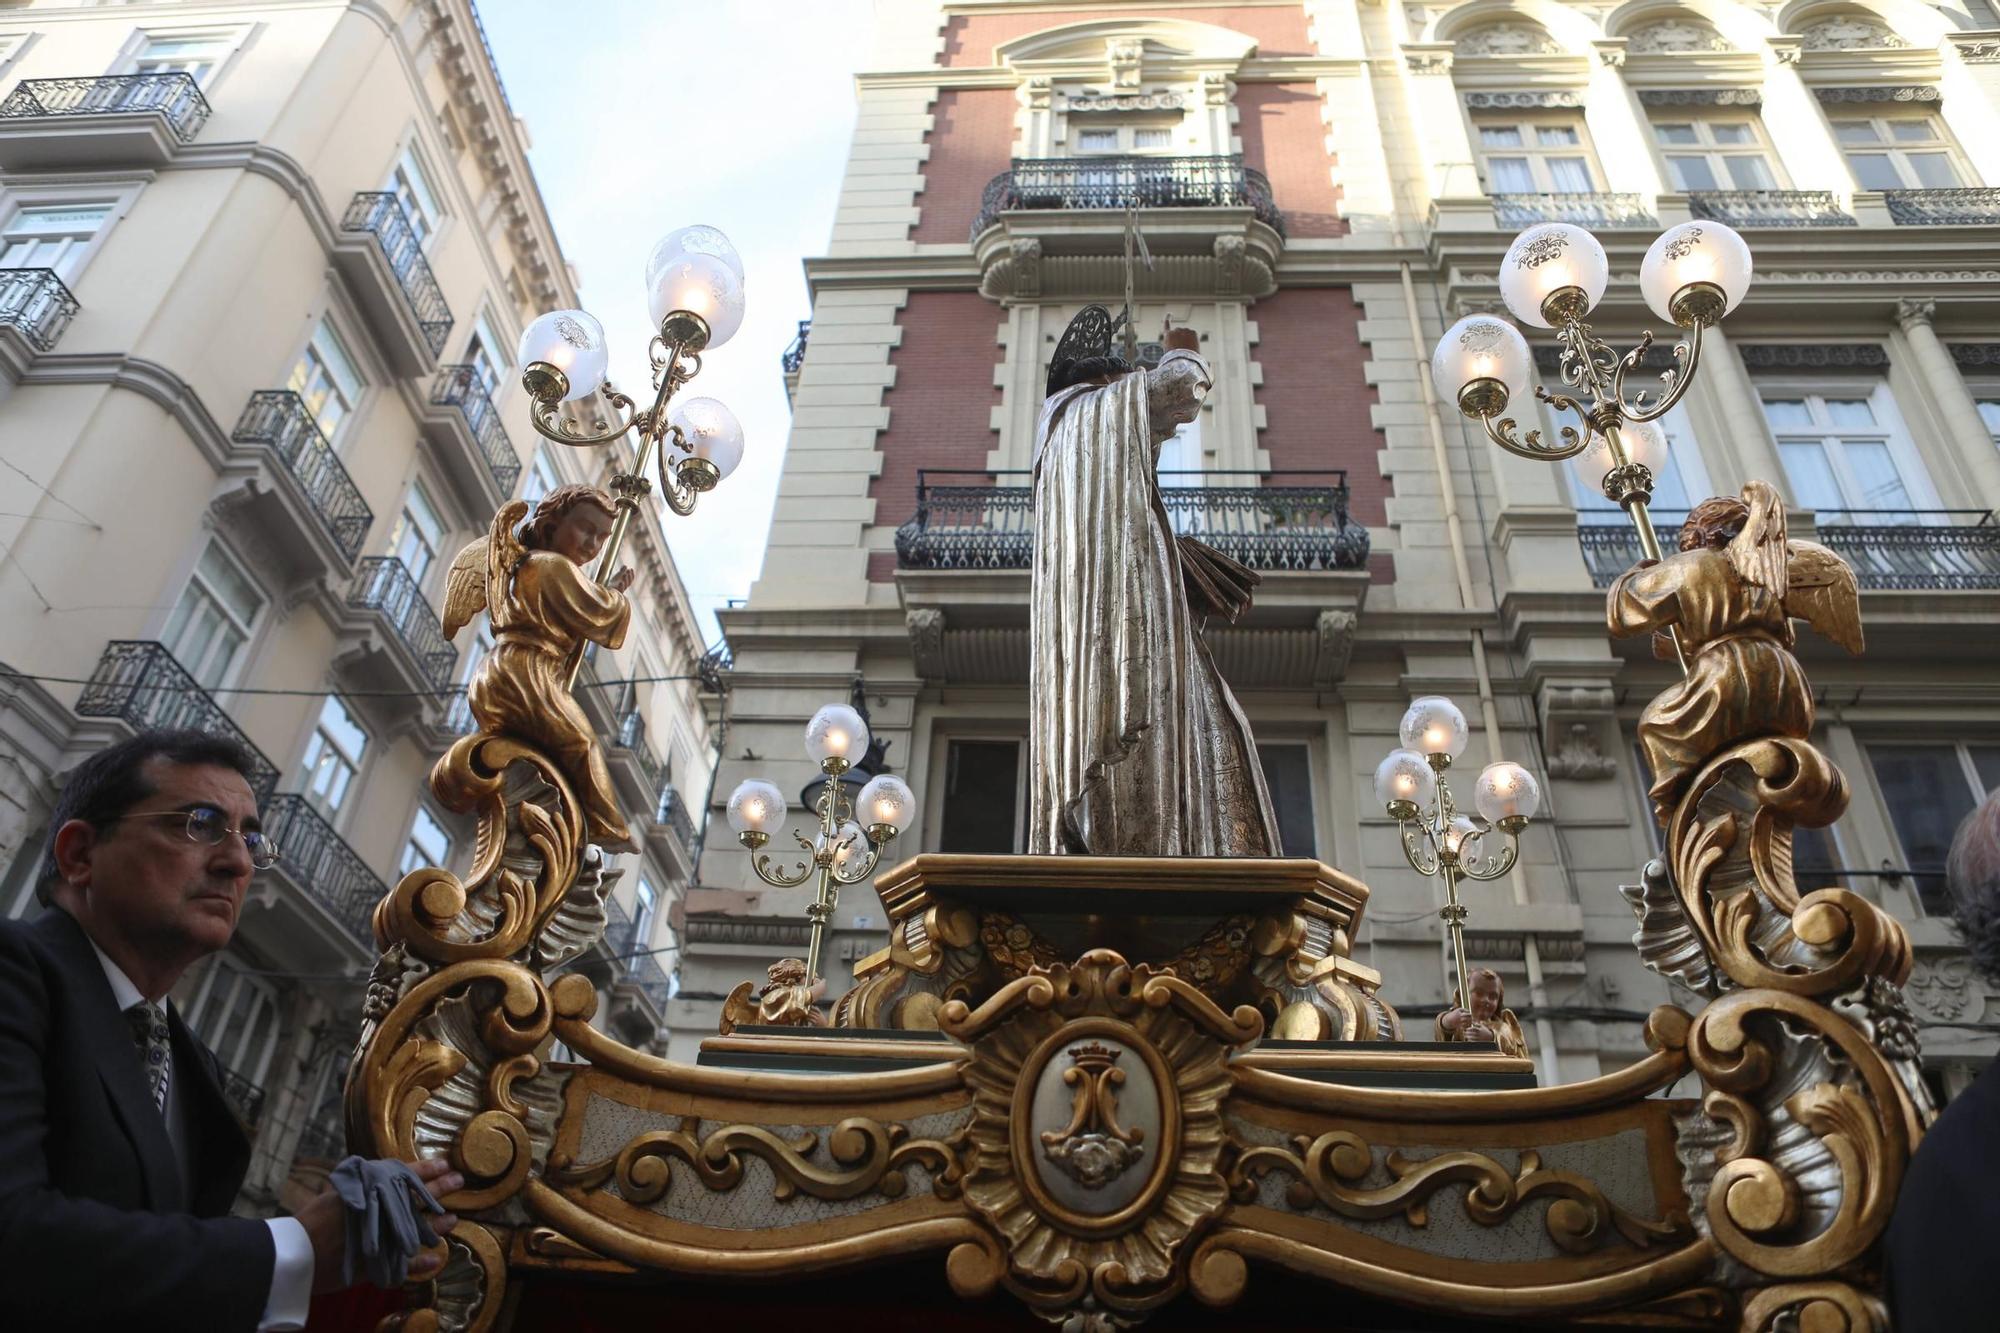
(1136, 746)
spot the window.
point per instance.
(198, 54)
(1716, 153)
(427, 845)
(1929, 790)
(325, 379)
(1900, 152)
(213, 619)
(982, 797)
(541, 478)
(1536, 156)
(419, 532)
(1845, 455)
(487, 355)
(1288, 773)
(55, 236)
(236, 1016)
(1989, 412)
(1123, 138)
(645, 904)
(411, 185)
(333, 756)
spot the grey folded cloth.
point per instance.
(384, 1231)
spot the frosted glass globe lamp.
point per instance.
(755, 808)
(1481, 365)
(1553, 273)
(564, 356)
(706, 442)
(1435, 728)
(1695, 273)
(836, 737)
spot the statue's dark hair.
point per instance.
(1972, 874)
(1083, 369)
(538, 532)
(1714, 523)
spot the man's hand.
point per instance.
(1182, 340)
(325, 1221)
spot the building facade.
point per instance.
(263, 270)
(1322, 187)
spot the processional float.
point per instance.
(1122, 1088)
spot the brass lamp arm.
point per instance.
(1494, 866)
(777, 878)
(1675, 382)
(547, 419)
(862, 867)
(1420, 847)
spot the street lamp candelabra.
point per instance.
(694, 296)
(1439, 840)
(852, 831)
(1553, 275)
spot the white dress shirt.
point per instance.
(286, 1305)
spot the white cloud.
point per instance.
(649, 116)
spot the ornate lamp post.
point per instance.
(1437, 838)
(1552, 277)
(694, 296)
(852, 833)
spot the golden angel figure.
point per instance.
(544, 605)
(1487, 1018)
(1732, 591)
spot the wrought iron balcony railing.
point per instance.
(642, 969)
(319, 861)
(461, 387)
(384, 584)
(139, 682)
(35, 301)
(1294, 525)
(1970, 207)
(1127, 182)
(380, 214)
(176, 96)
(1911, 550)
(244, 1097)
(795, 355)
(1594, 209)
(458, 718)
(1770, 208)
(278, 420)
(674, 813)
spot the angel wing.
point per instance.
(1758, 553)
(473, 570)
(1823, 592)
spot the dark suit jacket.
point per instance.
(98, 1227)
(1941, 1240)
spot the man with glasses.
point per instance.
(119, 1157)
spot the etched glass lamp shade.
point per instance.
(564, 356)
(836, 735)
(710, 432)
(699, 284)
(699, 239)
(756, 807)
(1433, 725)
(885, 806)
(1553, 271)
(1507, 794)
(1482, 365)
(1405, 783)
(849, 844)
(1461, 837)
(1695, 273)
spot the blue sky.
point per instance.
(647, 115)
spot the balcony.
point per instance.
(139, 683)
(458, 718)
(381, 256)
(35, 308)
(315, 491)
(1513, 211)
(673, 829)
(794, 359)
(1299, 526)
(1976, 206)
(1120, 183)
(318, 863)
(1946, 550)
(1770, 208)
(384, 586)
(102, 121)
(467, 427)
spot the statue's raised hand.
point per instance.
(1181, 340)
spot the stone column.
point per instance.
(1743, 414)
(1972, 442)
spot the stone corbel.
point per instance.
(1784, 50)
(1229, 255)
(1125, 55)
(1335, 648)
(1611, 52)
(1215, 89)
(1575, 718)
(1038, 92)
(1027, 254)
(926, 628)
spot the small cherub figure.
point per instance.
(1486, 1019)
(544, 605)
(789, 999)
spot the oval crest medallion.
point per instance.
(1096, 1125)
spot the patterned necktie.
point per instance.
(155, 1042)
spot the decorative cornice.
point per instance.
(1814, 356)
(1085, 103)
(1976, 356)
(1539, 99)
(1884, 93)
(1700, 97)
(1976, 48)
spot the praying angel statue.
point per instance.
(1137, 747)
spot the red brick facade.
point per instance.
(940, 409)
(1316, 400)
(969, 39)
(971, 141)
(1284, 138)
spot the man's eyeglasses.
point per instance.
(208, 826)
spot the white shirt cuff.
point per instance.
(290, 1300)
